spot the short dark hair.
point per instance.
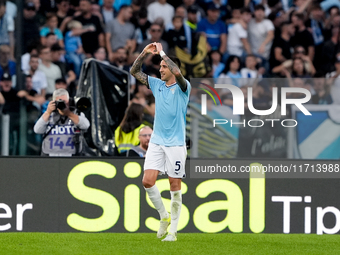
(60, 80)
(285, 23)
(49, 34)
(245, 10)
(177, 17)
(124, 6)
(300, 16)
(34, 56)
(259, 7)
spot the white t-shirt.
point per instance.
(164, 11)
(258, 32)
(249, 77)
(235, 34)
(11, 9)
(39, 81)
(52, 73)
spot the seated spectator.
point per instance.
(144, 139)
(299, 52)
(50, 39)
(302, 36)
(330, 50)
(100, 54)
(231, 73)
(322, 92)
(6, 29)
(120, 32)
(6, 65)
(192, 19)
(56, 142)
(155, 32)
(35, 100)
(51, 70)
(187, 4)
(281, 49)
(214, 29)
(216, 63)
(25, 59)
(299, 70)
(251, 74)
(73, 45)
(238, 43)
(180, 11)
(65, 68)
(261, 34)
(177, 35)
(37, 77)
(126, 135)
(51, 27)
(120, 60)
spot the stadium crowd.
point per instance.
(220, 39)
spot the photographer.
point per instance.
(61, 127)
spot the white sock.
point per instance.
(156, 199)
(176, 204)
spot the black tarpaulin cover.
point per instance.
(108, 89)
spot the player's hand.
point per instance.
(51, 107)
(150, 48)
(159, 47)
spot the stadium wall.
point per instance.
(106, 195)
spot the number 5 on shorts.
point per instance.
(178, 164)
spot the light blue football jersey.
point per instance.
(171, 108)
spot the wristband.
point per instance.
(162, 53)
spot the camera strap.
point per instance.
(49, 131)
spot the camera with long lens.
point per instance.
(60, 104)
(83, 104)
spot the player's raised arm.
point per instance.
(136, 69)
(174, 69)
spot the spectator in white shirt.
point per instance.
(39, 81)
(238, 37)
(261, 33)
(161, 9)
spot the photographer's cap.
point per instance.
(29, 6)
(213, 7)
(6, 77)
(192, 9)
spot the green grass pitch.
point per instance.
(108, 243)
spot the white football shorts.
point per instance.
(167, 160)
